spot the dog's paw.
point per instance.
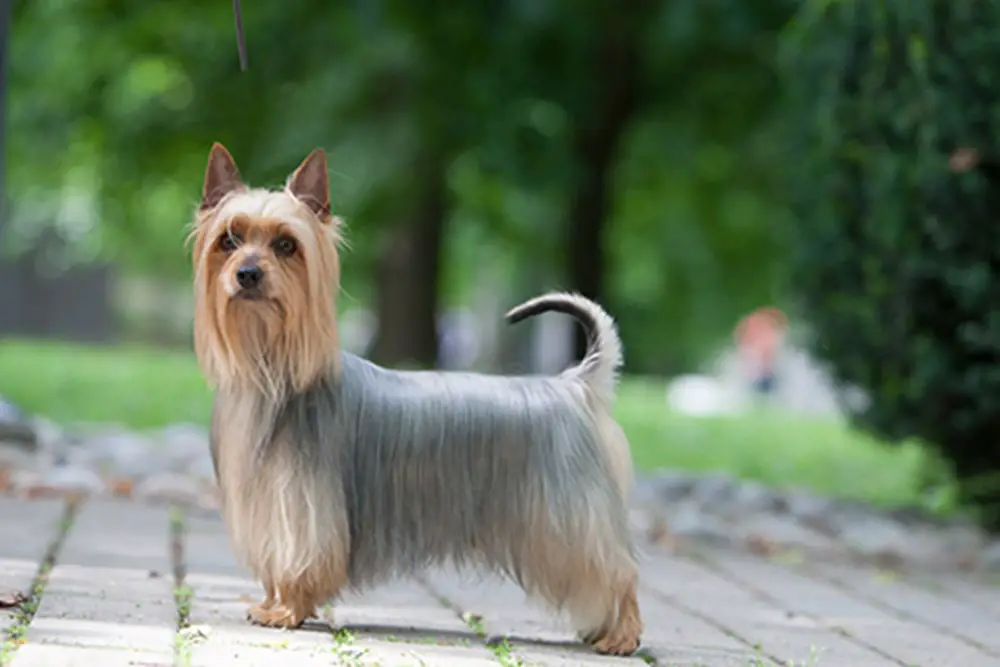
(260, 608)
(616, 642)
(275, 616)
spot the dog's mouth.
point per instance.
(249, 295)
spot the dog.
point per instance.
(337, 474)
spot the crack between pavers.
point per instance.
(946, 594)
(900, 614)
(498, 646)
(702, 560)
(721, 627)
(183, 595)
(31, 598)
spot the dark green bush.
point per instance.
(896, 235)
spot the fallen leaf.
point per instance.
(121, 487)
(966, 562)
(10, 600)
(761, 546)
(659, 535)
(472, 617)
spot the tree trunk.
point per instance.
(598, 135)
(5, 21)
(407, 275)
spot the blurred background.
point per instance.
(757, 191)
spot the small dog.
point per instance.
(338, 474)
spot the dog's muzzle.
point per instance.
(250, 279)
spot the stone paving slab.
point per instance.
(109, 601)
(107, 589)
(675, 638)
(222, 591)
(977, 593)
(206, 548)
(401, 624)
(110, 533)
(779, 632)
(43, 655)
(534, 636)
(371, 651)
(908, 643)
(400, 607)
(15, 581)
(27, 529)
(945, 615)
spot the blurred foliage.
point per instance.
(897, 254)
(76, 384)
(114, 103)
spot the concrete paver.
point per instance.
(908, 643)
(206, 549)
(976, 593)
(27, 530)
(949, 616)
(108, 590)
(783, 635)
(120, 534)
(402, 622)
(50, 655)
(534, 635)
(109, 601)
(399, 625)
(221, 592)
(675, 638)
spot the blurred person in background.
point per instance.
(758, 337)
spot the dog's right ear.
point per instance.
(221, 177)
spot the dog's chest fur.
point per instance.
(280, 514)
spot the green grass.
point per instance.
(144, 388)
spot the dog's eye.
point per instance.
(228, 242)
(284, 246)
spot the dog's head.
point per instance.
(266, 277)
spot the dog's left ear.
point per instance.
(222, 176)
(310, 184)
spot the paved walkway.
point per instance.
(109, 584)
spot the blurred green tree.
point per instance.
(896, 257)
(619, 150)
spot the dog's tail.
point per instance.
(599, 367)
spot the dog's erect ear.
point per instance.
(221, 177)
(310, 184)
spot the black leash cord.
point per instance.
(241, 44)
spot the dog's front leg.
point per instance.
(295, 603)
(293, 595)
(271, 598)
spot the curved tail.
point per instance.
(599, 367)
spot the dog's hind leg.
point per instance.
(594, 579)
(620, 630)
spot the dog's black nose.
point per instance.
(249, 276)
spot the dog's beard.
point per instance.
(253, 332)
(270, 345)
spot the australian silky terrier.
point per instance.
(339, 474)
